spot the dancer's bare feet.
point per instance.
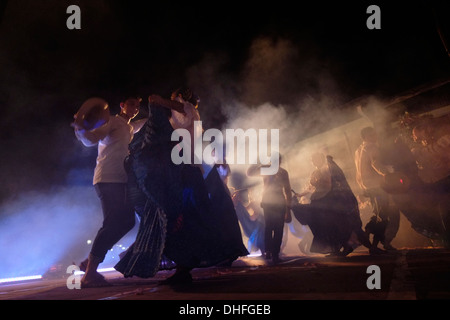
(94, 279)
(91, 278)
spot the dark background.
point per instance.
(47, 71)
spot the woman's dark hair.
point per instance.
(131, 96)
(367, 131)
(188, 95)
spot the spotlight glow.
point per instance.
(39, 277)
(18, 279)
(102, 270)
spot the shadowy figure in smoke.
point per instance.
(251, 220)
(333, 214)
(370, 174)
(276, 203)
(420, 182)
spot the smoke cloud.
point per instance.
(281, 86)
(284, 87)
(40, 230)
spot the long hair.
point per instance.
(188, 95)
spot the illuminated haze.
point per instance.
(280, 86)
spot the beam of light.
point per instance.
(18, 279)
(51, 226)
(102, 270)
(39, 277)
(255, 254)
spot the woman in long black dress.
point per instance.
(182, 215)
(333, 213)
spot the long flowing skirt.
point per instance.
(185, 220)
(333, 218)
(330, 227)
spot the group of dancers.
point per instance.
(187, 215)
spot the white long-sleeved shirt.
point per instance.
(112, 139)
(185, 121)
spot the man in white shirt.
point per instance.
(110, 182)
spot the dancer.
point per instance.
(370, 174)
(219, 193)
(333, 214)
(110, 182)
(180, 225)
(250, 218)
(276, 203)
